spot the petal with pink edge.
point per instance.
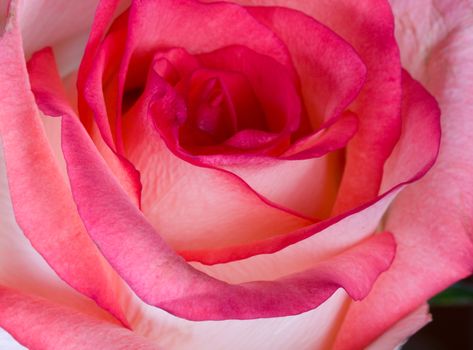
(378, 104)
(331, 72)
(398, 334)
(41, 199)
(41, 324)
(24, 268)
(163, 279)
(313, 330)
(431, 222)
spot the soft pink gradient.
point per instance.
(432, 219)
(262, 259)
(32, 171)
(368, 27)
(147, 264)
(40, 324)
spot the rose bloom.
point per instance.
(250, 174)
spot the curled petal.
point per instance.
(431, 219)
(378, 104)
(163, 279)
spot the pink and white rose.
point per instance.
(249, 174)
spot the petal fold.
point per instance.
(41, 198)
(40, 324)
(163, 279)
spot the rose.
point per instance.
(71, 257)
(56, 210)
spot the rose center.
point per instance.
(233, 100)
(220, 104)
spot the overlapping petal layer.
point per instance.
(309, 261)
(41, 324)
(41, 198)
(151, 268)
(432, 219)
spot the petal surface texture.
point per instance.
(114, 235)
(432, 219)
(162, 278)
(41, 198)
(41, 324)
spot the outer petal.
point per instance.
(40, 324)
(40, 196)
(22, 266)
(312, 330)
(396, 336)
(61, 25)
(432, 221)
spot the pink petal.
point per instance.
(310, 330)
(330, 71)
(414, 255)
(94, 84)
(163, 279)
(171, 183)
(371, 35)
(214, 26)
(40, 195)
(147, 263)
(92, 104)
(398, 334)
(420, 135)
(23, 267)
(310, 185)
(327, 140)
(40, 324)
(103, 16)
(230, 25)
(311, 175)
(320, 243)
(432, 219)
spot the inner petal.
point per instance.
(272, 83)
(211, 116)
(237, 101)
(220, 104)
